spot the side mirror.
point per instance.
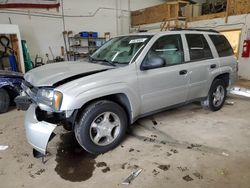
(153, 63)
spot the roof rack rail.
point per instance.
(193, 29)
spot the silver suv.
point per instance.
(129, 77)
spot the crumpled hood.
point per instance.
(47, 75)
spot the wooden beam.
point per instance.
(171, 9)
(157, 13)
(227, 11)
(207, 17)
(15, 47)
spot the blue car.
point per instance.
(10, 87)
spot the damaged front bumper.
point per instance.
(38, 133)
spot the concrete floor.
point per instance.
(184, 147)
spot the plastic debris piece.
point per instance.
(225, 154)
(3, 147)
(240, 91)
(229, 103)
(131, 177)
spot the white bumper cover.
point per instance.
(37, 132)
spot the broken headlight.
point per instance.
(49, 99)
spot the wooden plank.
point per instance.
(227, 11)
(155, 14)
(15, 47)
(171, 9)
(207, 17)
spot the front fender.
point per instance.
(76, 102)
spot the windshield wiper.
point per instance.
(102, 60)
(108, 62)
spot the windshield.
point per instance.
(120, 50)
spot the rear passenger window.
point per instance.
(198, 47)
(169, 48)
(222, 45)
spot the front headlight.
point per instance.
(45, 93)
(50, 98)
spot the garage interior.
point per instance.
(183, 147)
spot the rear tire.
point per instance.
(101, 127)
(4, 101)
(216, 96)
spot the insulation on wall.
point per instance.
(29, 4)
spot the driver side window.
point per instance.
(169, 48)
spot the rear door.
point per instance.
(202, 62)
(225, 52)
(165, 86)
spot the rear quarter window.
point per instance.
(222, 45)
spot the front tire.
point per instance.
(216, 96)
(101, 127)
(4, 101)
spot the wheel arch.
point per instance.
(119, 98)
(225, 77)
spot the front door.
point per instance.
(167, 85)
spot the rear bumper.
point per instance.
(38, 133)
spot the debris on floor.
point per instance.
(194, 146)
(133, 167)
(174, 150)
(131, 177)
(123, 165)
(164, 167)
(240, 91)
(154, 121)
(198, 175)
(106, 169)
(2, 147)
(155, 172)
(39, 172)
(225, 154)
(187, 178)
(101, 164)
(154, 136)
(183, 169)
(131, 149)
(229, 102)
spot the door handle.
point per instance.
(213, 66)
(183, 72)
